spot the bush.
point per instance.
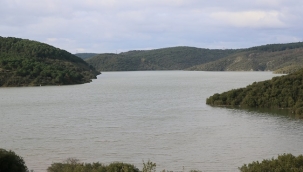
(10, 162)
(149, 166)
(73, 165)
(121, 167)
(284, 163)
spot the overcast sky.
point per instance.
(107, 26)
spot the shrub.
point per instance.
(73, 165)
(149, 166)
(284, 163)
(121, 167)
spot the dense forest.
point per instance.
(280, 92)
(175, 58)
(29, 63)
(281, 58)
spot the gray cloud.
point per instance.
(112, 25)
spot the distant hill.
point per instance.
(174, 58)
(280, 92)
(281, 58)
(85, 55)
(28, 63)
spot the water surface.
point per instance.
(152, 115)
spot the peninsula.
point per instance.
(30, 63)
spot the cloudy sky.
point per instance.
(107, 26)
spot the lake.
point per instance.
(147, 115)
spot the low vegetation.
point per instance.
(285, 92)
(284, 163)
(30, 63)
(73, 165)
(10, 162)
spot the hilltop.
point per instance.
(284, 92)
(29, 63)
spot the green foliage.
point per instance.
(175, 58)
(121, 167)
(284, 163)
(149, 166)
(10, 162)
(279, 92)
(24, 62)
(73, 165)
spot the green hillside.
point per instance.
(174, 58)
(85, 55)
(280, 92)
(28, 63)
(281, 58)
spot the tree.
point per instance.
(10, 162)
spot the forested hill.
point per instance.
(280, 92)
(28, 63)
(281, 58)
(174, 58)
(85, 55)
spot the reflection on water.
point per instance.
(267, 111)
(135, 116)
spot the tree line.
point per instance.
(279, 92)
(283, 58)
(173, 58)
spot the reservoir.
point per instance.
(132, 117)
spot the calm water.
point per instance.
(154, 115)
